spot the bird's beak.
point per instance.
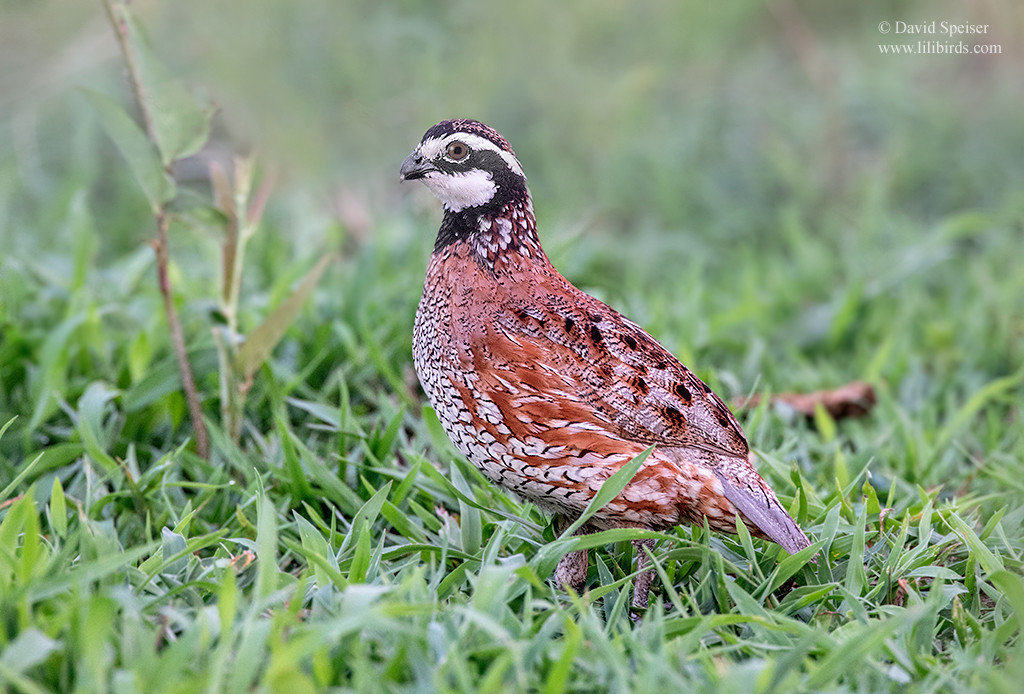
(414, 166)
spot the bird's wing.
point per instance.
(588, 362)
(574, 375)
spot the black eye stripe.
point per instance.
(485, 159)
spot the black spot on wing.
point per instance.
(683, 392)
(674, 417)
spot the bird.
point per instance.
(549, 391)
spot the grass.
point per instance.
(773, 238)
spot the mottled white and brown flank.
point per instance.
(549, 391)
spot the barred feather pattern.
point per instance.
(549, 391)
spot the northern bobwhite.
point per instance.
(549, 391)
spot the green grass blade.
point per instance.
(611, 488)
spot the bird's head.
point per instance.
(467, 165)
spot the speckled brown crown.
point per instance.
(473, 127)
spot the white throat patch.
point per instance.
(461, 190)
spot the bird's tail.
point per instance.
(759, 505)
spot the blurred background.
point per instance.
(678, 115)
(681, 115)
(754, 181)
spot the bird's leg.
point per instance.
(571, 571)
(642, 582)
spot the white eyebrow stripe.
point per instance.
(430, 149)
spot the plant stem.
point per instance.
(231, 196)
(244, 215)
(195, 408)
(161, 248)
(121, 32)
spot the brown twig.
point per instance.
(161, 249)
(195, 408)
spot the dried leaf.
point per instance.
(855, 399)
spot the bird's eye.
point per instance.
(457, 151)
